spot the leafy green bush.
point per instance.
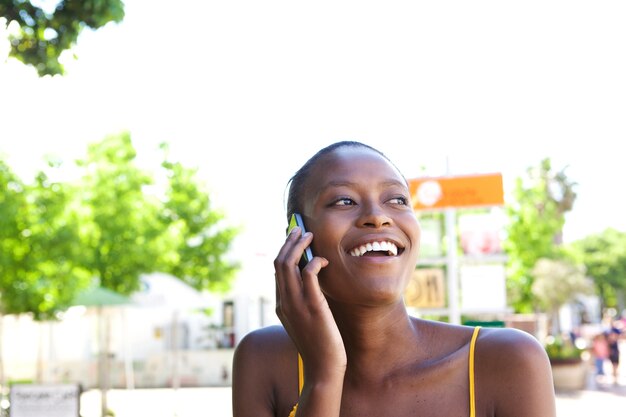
(563, 350)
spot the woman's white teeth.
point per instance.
(391, 248)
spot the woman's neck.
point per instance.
(377, 340)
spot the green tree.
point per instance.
(39, 267)
(43, 33)
(123, 235)
(604, 255)
(113, 225)
(536, 218)
(557, 282)
(12, 202)
(200, 238)
(12, 198)
(139, 226)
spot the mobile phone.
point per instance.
(296, 220)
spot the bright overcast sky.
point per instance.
(248, 90)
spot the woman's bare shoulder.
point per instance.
(508, 344)
(266, 344)
(272, 335)
(265, 377)
(513, 374)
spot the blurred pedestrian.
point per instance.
(600, 352)
(613, 342)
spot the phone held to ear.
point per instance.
(296, 220)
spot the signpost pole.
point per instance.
(452, 267)
(454, 314)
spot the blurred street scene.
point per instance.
(601, 395)
(144, 161)
(216, 402)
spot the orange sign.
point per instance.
(458, 191)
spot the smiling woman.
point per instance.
(347, 345)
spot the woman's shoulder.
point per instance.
(509, 352)
(513, 372)
(265, 343)
(265, 372)
(268, 333)
(507, 344)
(495, 343)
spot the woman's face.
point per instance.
(357, 205)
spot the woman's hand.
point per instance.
(304, 311)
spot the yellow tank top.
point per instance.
(472, 392)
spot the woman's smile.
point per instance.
(376, 248)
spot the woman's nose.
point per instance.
(374, 216)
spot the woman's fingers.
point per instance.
(287, 273)
(301, 305)
(290, 253)
(297, 291)
(310, 284)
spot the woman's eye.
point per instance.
(344, 201)
(402, 201)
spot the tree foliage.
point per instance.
(534, 231)
(195, 229)
(557, 282)
(604, 255)
(43, 33)
(122, 238)
(112, 225)
(40, 267)
(12, 201)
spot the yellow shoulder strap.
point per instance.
(300, 374)
(472, 392)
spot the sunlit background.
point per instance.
(248, 90)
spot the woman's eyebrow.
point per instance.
(394, 182)
(349, 184)
(337, 184)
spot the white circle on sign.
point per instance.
(429, 192)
